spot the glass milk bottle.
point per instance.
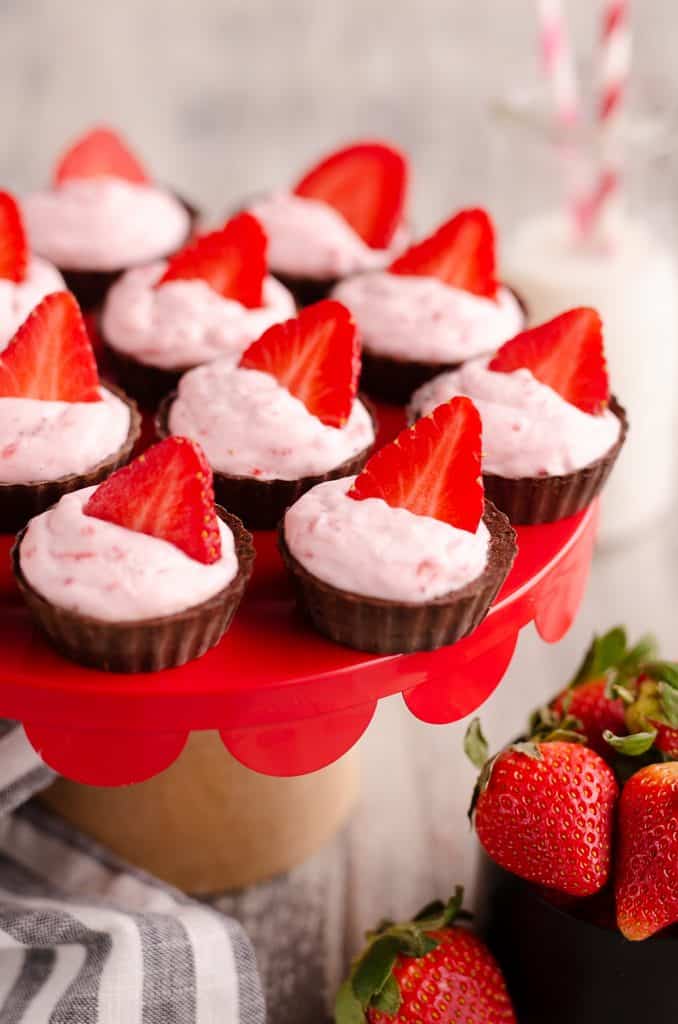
(625, 268)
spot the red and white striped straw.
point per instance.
(558, 60)
(615, 65)
(615, 59)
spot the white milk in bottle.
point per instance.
(631, 279)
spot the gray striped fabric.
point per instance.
(85, 939)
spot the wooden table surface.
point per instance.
(225, 98)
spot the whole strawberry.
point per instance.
(596, 711)
(646, 884)
(594, 696)
(427, 971)
(545, 811)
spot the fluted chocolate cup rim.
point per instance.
(610, 455)
(163, 431)
(502, 551)
(245, 554)
(194, 214)
(118, 457)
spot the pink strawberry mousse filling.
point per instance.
(249, 425)
(529, 430)
(108, 572)
(185, 323)
(421, 319)
(17, 300)
(41, 441)
(104, 223)
(369, 548)
(309, 238)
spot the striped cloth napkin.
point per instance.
(85, 939)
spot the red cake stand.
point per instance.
(283, 700)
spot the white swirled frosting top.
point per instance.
(421, 319)
(528, 428)
(309, 238)
(104, 223)
(249, 425)
(42, 441)
(108, 572)
(185, 323)
(17, 300)
(368, 548)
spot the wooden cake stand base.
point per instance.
(207, 823)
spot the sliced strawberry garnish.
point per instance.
(99, 153)
(567, 354)
(316, 356)
(432, 468)
(367, 184)
(50, 357)
(232, 261)
(168, 493)
(461, 253)
(13, 241)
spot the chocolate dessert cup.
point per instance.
(394, 380)
(397, 627)
(20, 502)
(608, 977)
(531, 500)
(261, 504)
(90, 286)
(150, 644)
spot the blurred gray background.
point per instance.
(222, 99)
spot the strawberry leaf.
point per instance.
(528, 749)
(475, 744)
(374, 968)
(668, 695)
(605, 652)
(347, 1009)
(663, 671)
(631, 746)
(645, 650)
(389, 999)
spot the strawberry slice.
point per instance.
(50, 357)
(168, 493)
(461, 253)
(566, 354)
(13, 241)
(99, 153)
(316, 356)
(432, 468)
(232, 261)
(367, 184)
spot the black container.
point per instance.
(561, 969)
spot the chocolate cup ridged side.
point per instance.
(91, 286)
(149, 645)
(306, 290)
(528, 501)
(20, 502)
(391, 627)
(147, 384)
(261, 504)
(394, 380)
